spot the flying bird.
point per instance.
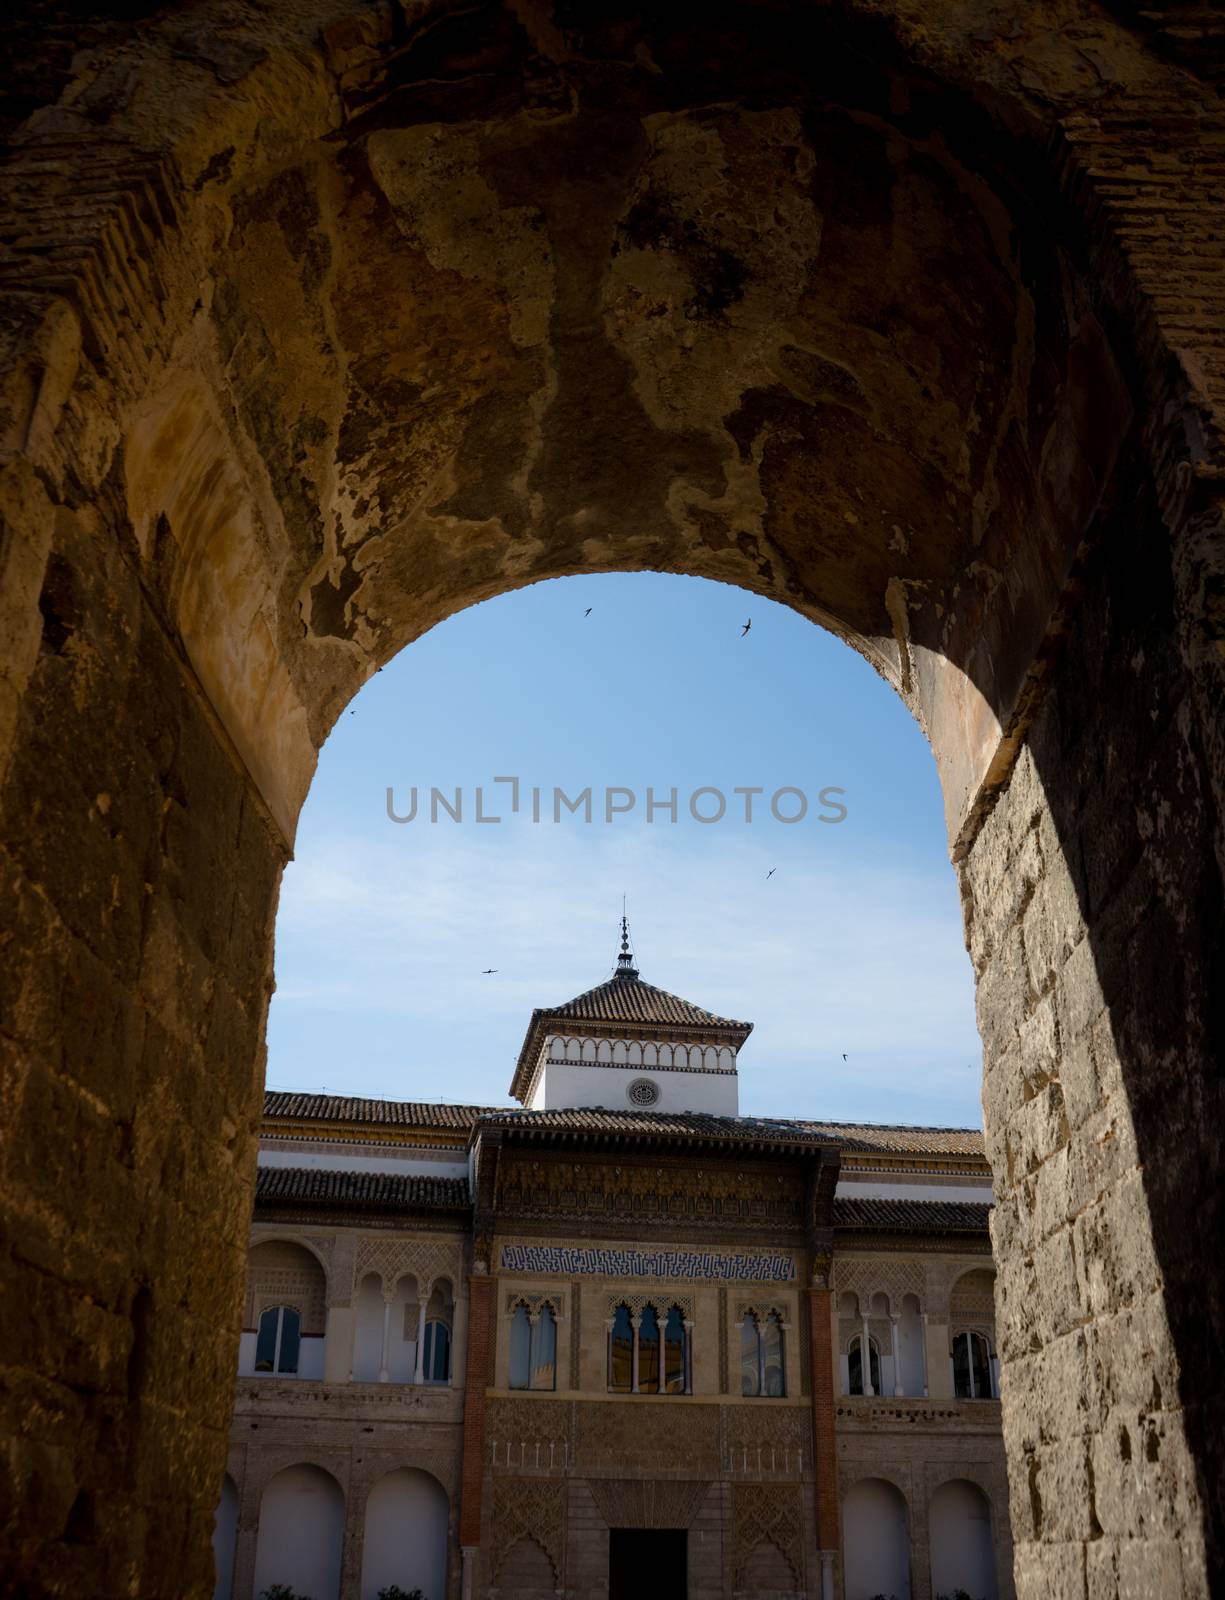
(485, 971)
(771, 873)
(844, 1057)
(587, 613)
(746, 627)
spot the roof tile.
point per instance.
(313, 1186)
(341, 1108)
(912, 1216)
(625, 999)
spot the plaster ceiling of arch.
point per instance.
(535, 311)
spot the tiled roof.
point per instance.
(900, 1139)
(341, 1108)
(623, 998)
(912, 1216)
(684, 1126)
(311, 1186)
(859, 1138)
(854, 1137)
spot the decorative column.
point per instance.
(419, 1364)
(387, 1299)
(825, 1454)
(635, 1318)
(609, 1325)
(476, 1381)
(533, 1319)
(925, 1393)
(821, 1182)
(689, 1357)
(482, 1287)
(866, 1354)
(897, 1359)
(663, 1371)
(827, 1574)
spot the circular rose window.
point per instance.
(642, 1092)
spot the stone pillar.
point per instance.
(939, 1375)
(827, 1574)
(387, 1298)
(338, 1345)
(866, 1359)
(476, 1381)
(634, 1321)
(897, 1358)
(468, 1554)
(926, 1360)
(689, 1358)
(824, 1447)
(419, 1363)
(459, 1340)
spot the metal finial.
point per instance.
(625, 961)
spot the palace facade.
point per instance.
(618, 1338)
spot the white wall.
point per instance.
(225, 1535)
(368, 1334)
(402, 1352)
(971, 1194)
(335, 1158)
(960, 1530)
(875, 1544)
(912, 1348)
(301, 1533)
(564, 1085)
(311, 1353)
(406, 1536)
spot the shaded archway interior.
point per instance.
(404, 314)
(624, 312)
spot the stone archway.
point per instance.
(352, 319)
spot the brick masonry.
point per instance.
(201, 213)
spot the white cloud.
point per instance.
(382, 936)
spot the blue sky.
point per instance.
(853, 947)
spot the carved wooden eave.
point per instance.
(594, 1129)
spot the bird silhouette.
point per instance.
(485, 971)
(844, 1057)
(771, 873)
(587, 613)
(746, 627)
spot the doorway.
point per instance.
(655, 1556)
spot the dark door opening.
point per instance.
(638, 1557)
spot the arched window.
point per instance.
(972, 1375)
(520, 1349)
(650, 1354)
(621, 1352)
(436, 1365)
(280, 1335)
(544, 1350)
(750, 1357)
(761, 1356)
(675, 1354)
(773, 1379)
(855, 1367)
(648, 1351)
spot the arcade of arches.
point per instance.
(322, 320)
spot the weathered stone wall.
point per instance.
(955, 392)
(1094, 922)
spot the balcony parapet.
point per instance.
(892, 1413)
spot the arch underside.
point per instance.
(323, 323)
(755, 320)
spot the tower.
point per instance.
(628, 1046)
